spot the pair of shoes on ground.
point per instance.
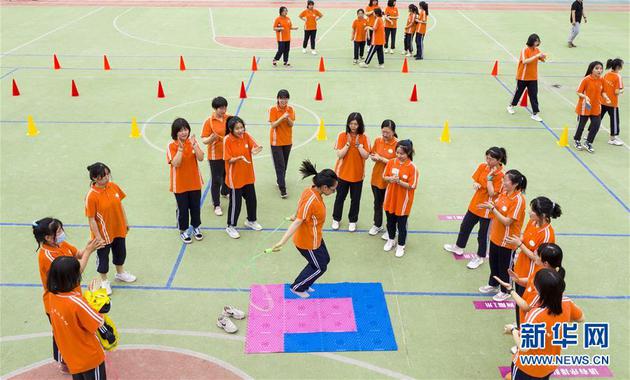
(584, 146)
(534, 116)
(224, 322)
(303, 294)
(390, 244)
(187, 235)
(352, 227)
(234, 234)
(123, 277)
(314, 52)
(474, 263)
(499, 296)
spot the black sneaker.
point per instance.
(287, 64)
(275, 63)
(589, 147)
(283, 194)
(197, 233)
(578, 145)
(185, 236)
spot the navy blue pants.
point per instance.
(318, 260)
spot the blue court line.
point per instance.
(182, 250)
(568, 149)
(389, 293)
(420, 232)
(9, 73)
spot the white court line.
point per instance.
(400, 318)
(488, 35)
(53, 31)
(333, 25)
(331, 356)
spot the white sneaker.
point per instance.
(125, 277)
(335, 225)
(615, 141)
(352, 227)
(232, 232)
(253, 225)
(510, 109)
(513, 350)
(408, 55)
(499, 297)
(381, 66)
(404, 52)
(314, 52)
(355, 61)
(487, 289)
(300, 294)
(375, 230)
(232, 312)
(185, 236)
(535, 117)
(363, 64)
(453, 248)
(400, 251)
(197, 234)
(228, 326)
(310, 290)
(474, 263)
(385, 236)
(107, 286)
(389, 245)
(218, 211)
(304, 51)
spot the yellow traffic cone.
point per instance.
(564, 137)
(135, 131)
(446, 134)
(31, 129)
(321, 131)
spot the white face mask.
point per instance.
(60, 238)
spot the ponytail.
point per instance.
(518, 179)
(614, 64)
(45, 227)
(551, 254)
(498, 154)
(546, 208)
(326, 177)
(98, 170)
(387, 123)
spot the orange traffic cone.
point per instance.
(16, 90)
(182, 65)
(524, 99)
(243, 94)
(75, 91)
(160, 93)
(56, 64)
(414, 94)
(405, 67)
(254, 64)
(318, 93)
(322, 68)
(495, 69)
(106, 63)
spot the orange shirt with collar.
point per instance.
(481, 195)
(284, 34)
(386, 150)
(398, 200)
(215, 125)
(392, 12)
(371, 18)
(351, 168)
(312, 212)
(411, 21)
(75, 325)
(311, 16)
(46, 255)
(187, 176)
(379, 32)
(105, 206)
(239, 173)
(282, 134)
(358, 27)
(533, 237)
(510, 206)
(612, 82)
(528, 71)
(593, 88)
(422, 22)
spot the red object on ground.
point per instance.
(106, 63)
(16, 90)
(56, 64)
(75, 91)
(254, 64)
(495, 69)
(182, 65)
(160, 93)
(322, 68)
(524, 99)
(405, 67)
(414, 94)
(243, 94)
(318, 94)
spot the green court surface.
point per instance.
(180, 290)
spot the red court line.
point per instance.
(481, 6)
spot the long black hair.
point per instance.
(413, 8)
(355, 116)
(45, 227)
(546, 208)
(518, 179)
(550, 286)
(498, 154)
(424, 5)
(378, 12)
(64, 274)
(551, 254)
(407, 147)
(591, 67)
(98, 170)
(614, 64)
(326, 177)
(387, 123)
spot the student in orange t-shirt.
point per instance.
(307, 225)
(410, 29)
(402, 177)
(371, 18)
(552, 308)
(487, 183)
(358, 35)
(352, 148)
(310, 16)
(182, 155)
(383, 150)
(75, 324)
(421, 29)
(108, 222)
(391, 23)
(378, 40)
(212, 135)
(613, 87)
(281, 118)
(507, 213)
(283, 27)
(51, 243)
(238, 148)
(589, 105)
(527, 75)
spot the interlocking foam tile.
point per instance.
(336, 317)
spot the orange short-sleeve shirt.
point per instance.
(239, 173)
(533, 237)
(530, 295)
(513, 207)
(385, 150)
(398, 200)
(528, 71)
(422, 22)
(47, 254)
(75, 325)
(284, 34)
(612, 82)
(187, 176)
(311, 16)
(593, 88)
(410, 27)
(393, 12)
(358, 28)
(351, 168)
(372, 17)
(312, 212)
(481, 195)
(104, 204)
(379, 32)
(215, 125)
(570, 313)
(282, 134)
